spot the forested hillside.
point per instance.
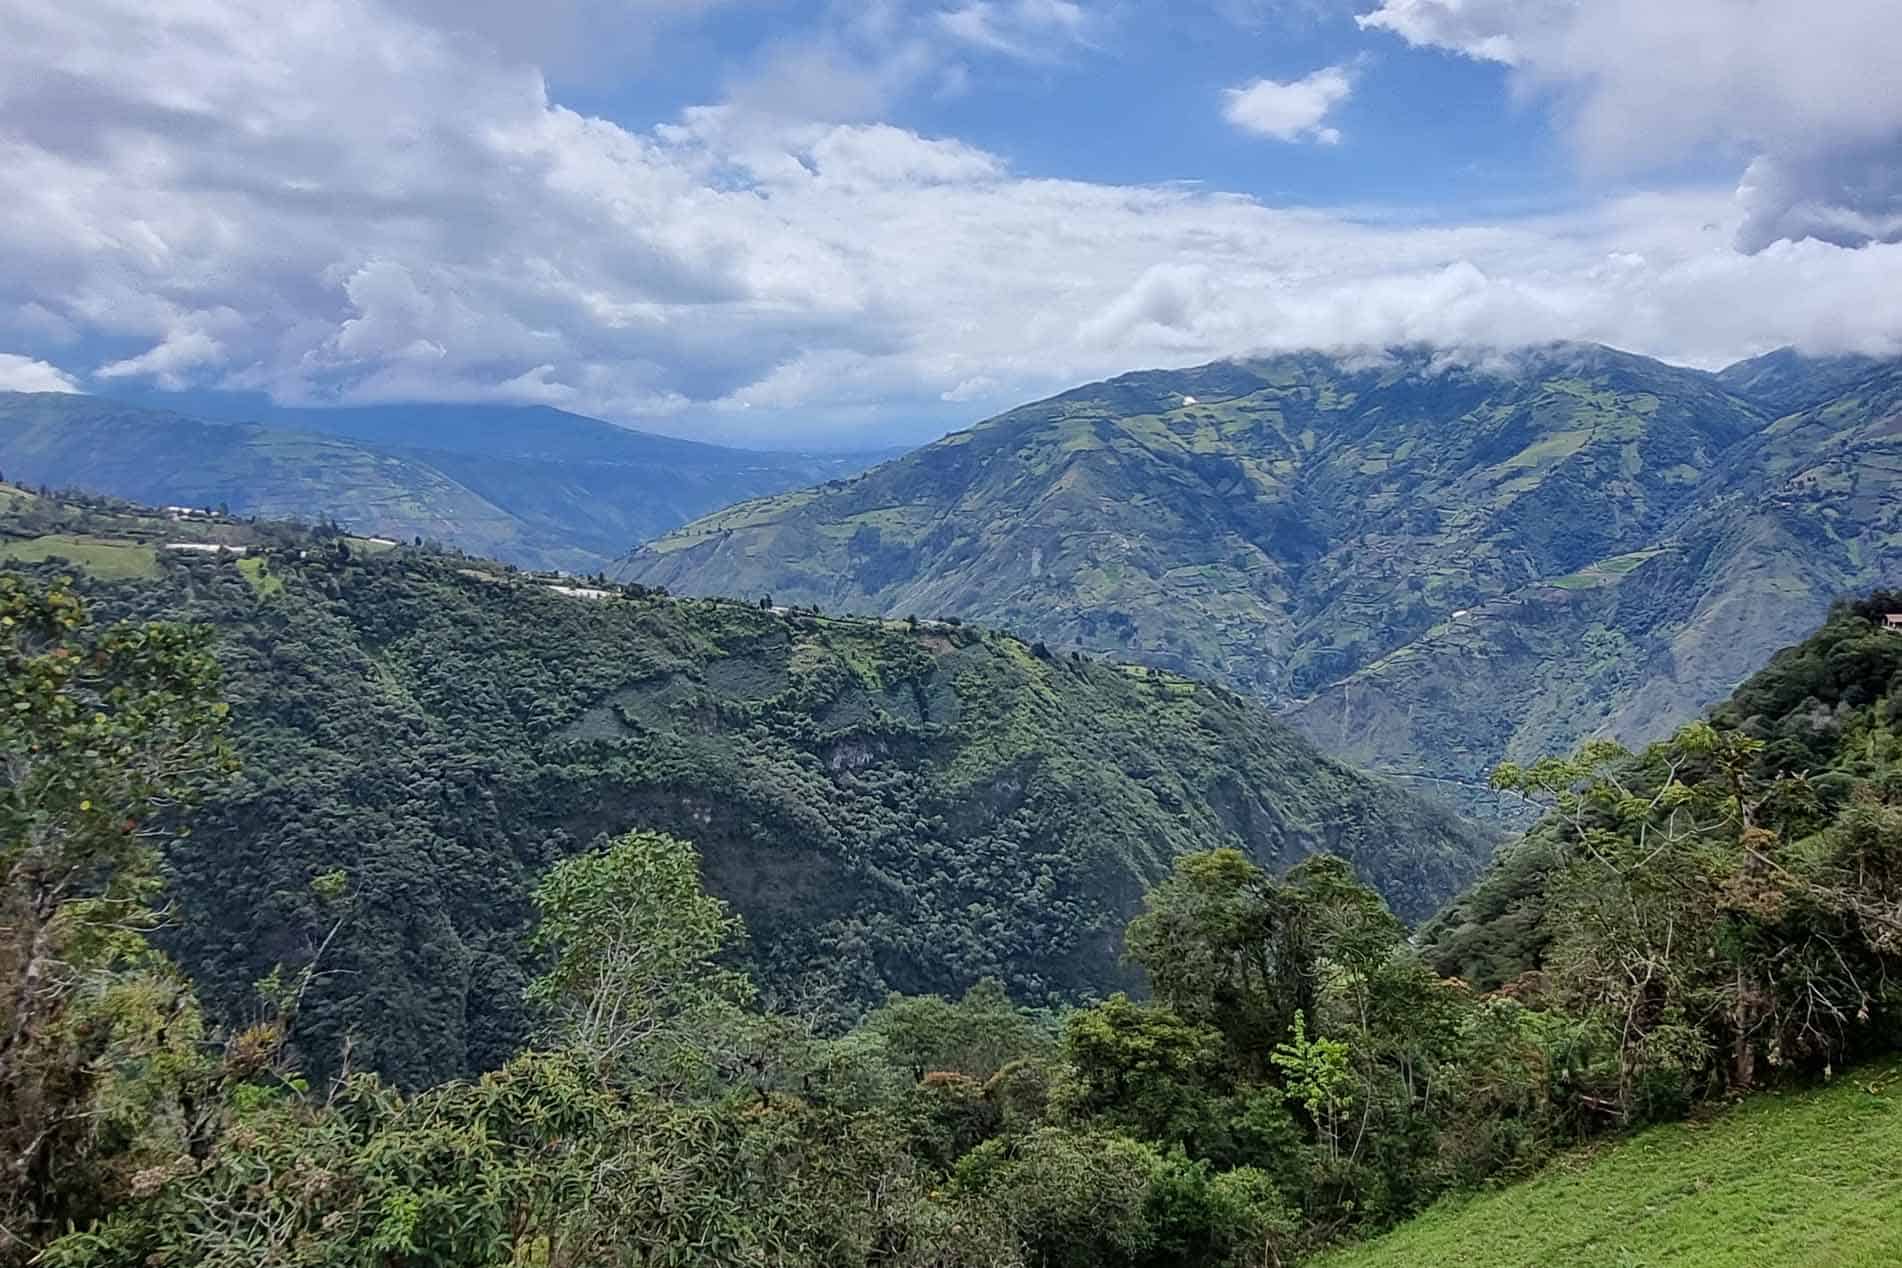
(1814, 742)
(1428, 564)
(888, 805)
(536, 487)
(1723, 911)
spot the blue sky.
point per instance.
(1133, 96)
(790, 222)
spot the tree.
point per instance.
(1701, 915)
(103, 737)
(977, 1036)
(1071, 1200)
(1209, 939)
(1318, 1078)
(1085, 1200)
(1143, 1069)
(1227, 945)
(635, 945)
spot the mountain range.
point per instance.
(530, 485)
(1429, 563)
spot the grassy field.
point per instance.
(107, 560)
(1804, 1180)
(265, 583)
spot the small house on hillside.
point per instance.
(1893, 622)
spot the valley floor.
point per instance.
(1799, 1180)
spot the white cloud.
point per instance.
(974, 25)
(1165, 305)
(1027, 29)
(1291, 111)
(1805, 93)
(828, 77)
(334, 202)
(573, 39)
(861, 58)
(24, 374)
(1483, 29)
(171, 361)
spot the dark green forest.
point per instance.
(1720, 912)
(891, 805)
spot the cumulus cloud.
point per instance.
(24, 374)
(1850, 195)
(1166, 304)
(340, 203)
(1805, 93)
(1483, 29)
(1292, 111)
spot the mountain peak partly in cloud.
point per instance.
(803, 221)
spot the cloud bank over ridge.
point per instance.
(341, 202)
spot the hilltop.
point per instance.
(888, 805)
(1428, 564)
(534, 486)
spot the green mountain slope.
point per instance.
(536, 487)
(1786, 381)
(1794, 516)
(1428, 566)
(1812, 1179)
(887, 806)
(1826, 710)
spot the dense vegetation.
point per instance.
(889, 806)
(537, 487)
(1298, 1075)
(1430, 566)
(1811, 737)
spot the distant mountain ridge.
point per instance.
(531, 485)
(1428, 565)
(1786, 381)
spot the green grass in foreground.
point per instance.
(1801, 1180)
(109, 561)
